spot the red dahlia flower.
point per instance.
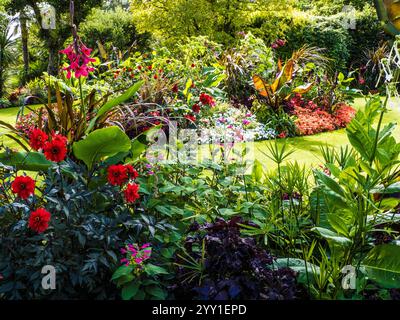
(132, 192)
(190, 117)
(55, 150)
(196, 108)
(117, 175)
(132, 173)
(207, 100)
(37, 139)
(59, 137)
(23, 187)
(39, 220)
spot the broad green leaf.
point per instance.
(122, 271)
(130, 290)
(332, 236)
(382, 264)
(100, 144)
(339, 221)
(306, 270)
(156, 292)
(152, 270)
(30, 161)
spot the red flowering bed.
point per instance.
(312, 119)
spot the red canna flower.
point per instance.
(23, 187)
(39, 220)
(131, 192)
(117, 175)
(132, 173)
(55, 150)
(37, 139)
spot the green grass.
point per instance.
(306, 149)
(9, 115)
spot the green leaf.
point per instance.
(108, 106)
(332, 236)
(101, 143)
(156, 292)
(305, 271)
(257, 171)
(31, 161)
(330, 183)
(382, 264)
(152, 270)
(122, 271)
(338, 222)
(130, 290)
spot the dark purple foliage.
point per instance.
(235, 267)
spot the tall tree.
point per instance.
(54, 38)
(7, 47)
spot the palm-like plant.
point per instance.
(8, 51)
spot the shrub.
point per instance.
(113, 28)
(229, 266)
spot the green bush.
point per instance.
(111, 28)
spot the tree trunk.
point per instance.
(24, 40)
(52, 67)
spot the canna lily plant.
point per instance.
(282, 87)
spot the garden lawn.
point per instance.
(306, 149)
(9, 115)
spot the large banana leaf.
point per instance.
(382, 264)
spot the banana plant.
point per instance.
(282, 86)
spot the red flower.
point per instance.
(193, 65)
(131, 192)
(39, 220)
(59, 137)
(79, 58)
(37, 139)
(150, 67)
(190, 117)
(155, 76)
(23, 187)
(196, 108)
(175, 88)
(117, 174)
(282, 135)
(55, 150)
(139, 67)
(207, 100)
(132, 173)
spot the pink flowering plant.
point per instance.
(137, 277)
(136, 255)
(79, 60)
